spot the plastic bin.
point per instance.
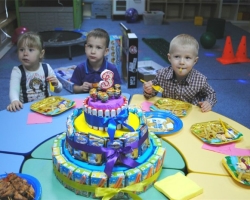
(153, 17)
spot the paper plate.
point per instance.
(32, 181)
(238, 167)
(53, 105)
(176, 107)
(162, 123)
(212, 132)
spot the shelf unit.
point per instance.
(230, 10)
(185, 9)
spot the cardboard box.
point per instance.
(153, 17)
(130, 59)
(64, 74)
(148, 69)
(114, 55)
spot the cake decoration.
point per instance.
(107, 149)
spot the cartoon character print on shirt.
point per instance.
(36, 89)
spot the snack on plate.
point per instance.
(215, 132)
(15, 187)
(238, 167)
(52, 105)
(176, 107)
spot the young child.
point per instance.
(180, 81)
(30, 80)
(87, 74)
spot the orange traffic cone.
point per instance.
(228, 54)
(241, 54)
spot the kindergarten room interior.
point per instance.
(123, 145)
(230, 18)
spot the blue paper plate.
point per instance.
(32, 181)
(159, 117)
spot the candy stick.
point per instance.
(94, 112)
(100, 114)
(101, 183)
(119, 182)
(118, 110)
(90, 111)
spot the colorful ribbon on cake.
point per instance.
(111, 154)
(111, 122)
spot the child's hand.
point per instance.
(86, 86)
(147, 87)
(15, 106)
(205, 106)
(53, 80)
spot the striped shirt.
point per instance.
(193, 89)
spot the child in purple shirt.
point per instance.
(87, 74)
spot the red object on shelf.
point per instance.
(241, 54)
(228, 56)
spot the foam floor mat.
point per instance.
(159, 45)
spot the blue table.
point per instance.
(10, 163)
(20, 138)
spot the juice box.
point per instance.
(98, 179)
(147, 170)
(155, 161)
(56, 151)
(81, 138)
(82, 176)
(117, 180)
(146, 143)
(161, 152)
(133, 176)
(95, 159)
(58, 160)
(129, 138)
(67, 169)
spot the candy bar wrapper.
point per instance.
(117, 180)
(156, 162)
(98, 179)
(161, 152)
(129, 138)
(95, 159)
(81, 138)
(147, 170)
(146, 143)
(82, 176)
(116, 144)
(67, 169)
(133, 176)
(56, 151)
(58, 161)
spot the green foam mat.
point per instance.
(159, 45)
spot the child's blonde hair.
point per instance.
(184, 39)
(30, 39)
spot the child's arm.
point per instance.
(85, 87)
(14, 91)
(148, 91)
(205, 106)
(54, 81)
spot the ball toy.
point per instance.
(18, 31)
(131, 15)
(207, 40)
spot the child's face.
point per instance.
(30, 56)
(95, 50)
(182, 59)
